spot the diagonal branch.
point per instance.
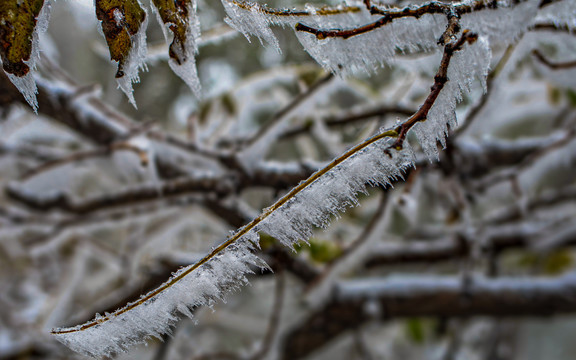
(244, 237)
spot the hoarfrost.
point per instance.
(470, 63)
(26, 84)
(185, 68)
(502, 25)
(367, 51)
(155, 313)
(136, 60)
(560, 13)
(362, 52)
(336, 190)
(250, 21)
(226, 267)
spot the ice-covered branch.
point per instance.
(352, 117)
(358, 301)
(133, 195)
(452, 11)
(377, 160)
(497, 239)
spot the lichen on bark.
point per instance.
(121, 20)
(174, 14)
(18, 20)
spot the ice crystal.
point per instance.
(470, 63)
(26, 84)
(182, 61)
(136, 60)
(290, 220)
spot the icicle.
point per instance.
(505, 23)
(20, 65)
(181, 19)
(136, 60)
(124, 28)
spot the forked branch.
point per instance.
(242, 241)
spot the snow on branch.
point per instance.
(21, 22)
(357, 301)
(376, 161)
(181, 19)
(335, 36)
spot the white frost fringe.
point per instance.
(26, 84)
(314, 205)
(136, 60)
(187, 70)
(290, 223)
(471, 63)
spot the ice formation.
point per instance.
(290, 220)
(182, 52)
(136, 61)
(332, 189)
(470, 63)
(26, 84)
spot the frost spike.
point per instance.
(290, 219)
(124, 25)
(179, 16)
(20, 22)
(17, 24)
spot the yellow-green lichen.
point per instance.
(17, 23)
(121, 20)
(175, 14)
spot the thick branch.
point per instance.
(217, 185)
(356, 302)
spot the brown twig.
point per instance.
(439, 81)
(451, 11)
(352, 118)
(553, 65)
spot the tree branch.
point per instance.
(358, 301)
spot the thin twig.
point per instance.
(83, 155)
(553, 65)
(357, 243)
(399, 133)
(297, 101)
(274, 323)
